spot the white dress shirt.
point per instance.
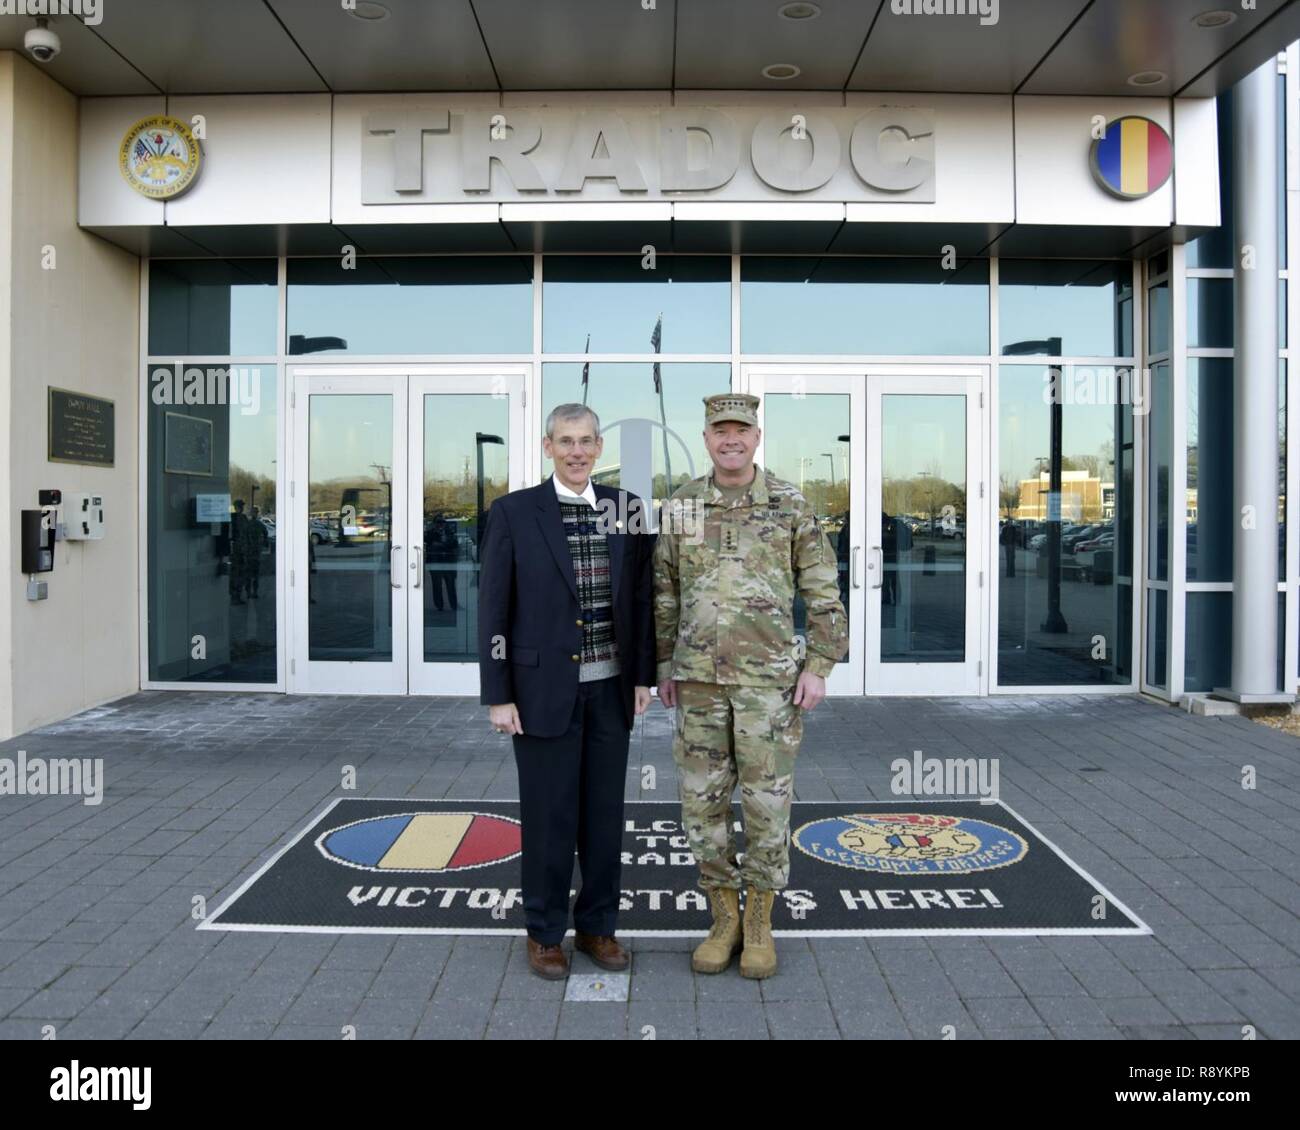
(566, 495)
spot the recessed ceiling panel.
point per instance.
(914, 51)
(151, 242)
(403, 45)
(85, 64)
(727, 46)
(1119, 39)
(579, 44)
(1058, 242)
(201, 47)
(1247, 54)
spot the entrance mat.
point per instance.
(859, 869)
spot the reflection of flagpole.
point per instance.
(586, 370)
(655, 339)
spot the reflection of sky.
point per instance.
(626, 392)
(924, 435)
(212, 307)
(1082, 316)
(621, 315)
(416, 319)
(1025, 423)
(806, 428)
(253, 316)
(348, 433)
(881, 318)
(252, 437)
(451, 423)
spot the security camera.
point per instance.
(41, 43)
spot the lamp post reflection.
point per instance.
(1054, 623)
(480, 438)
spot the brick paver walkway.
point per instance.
(97, 936)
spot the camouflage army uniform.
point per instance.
(725, 580)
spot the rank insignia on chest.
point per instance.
(730, 539)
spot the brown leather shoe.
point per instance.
(602, 949)
(547, 961)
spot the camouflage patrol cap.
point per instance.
(741, 407)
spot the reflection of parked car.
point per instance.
(1105, 541)
(1038, 541)
(1070, 542)
(322, 531)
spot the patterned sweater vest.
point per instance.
(590, 551)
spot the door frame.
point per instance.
(449, 678)
(858, 379)
(848, 679)
(926, 679)
(396, 379)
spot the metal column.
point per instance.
(1255, 437)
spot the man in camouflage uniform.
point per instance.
(734, 548)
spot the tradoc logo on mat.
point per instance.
(1134, 159)
(910, 843)
(373, 865)
(423, 841)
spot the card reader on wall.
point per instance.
(37, 542)
(83, 517)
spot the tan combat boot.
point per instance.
(714, 954)
(759, 957)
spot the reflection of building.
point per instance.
(1084, 498)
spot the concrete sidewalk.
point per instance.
(97, 937)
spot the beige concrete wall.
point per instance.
(75, 326)
(8, 535)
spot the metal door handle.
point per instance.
(853, 568)
(391, 574)
(880, 578)
(418, 566)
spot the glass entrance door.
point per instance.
(890, 460)
(924, 509)
(463, 436)
(392, 477)
(813, 427)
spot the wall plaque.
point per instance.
(81, 428)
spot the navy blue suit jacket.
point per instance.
(529, 619)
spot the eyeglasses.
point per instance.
(568, 443)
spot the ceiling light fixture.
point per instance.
(369, 11)
(781, 71)
(799, 11)
(1147, 78)
(1220, 17)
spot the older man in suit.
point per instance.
(566, 659)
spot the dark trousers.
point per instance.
(571, 796)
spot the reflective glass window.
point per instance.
(651, 440)
(881, 306)
(616, 301)
(1208, 662)
(1065, 307)
(212, 523)
(1159, 473)
(212, 307)
(478, 304)
(1065, 527)
(1210, 504)
(1209, 313)
(1158, 313)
